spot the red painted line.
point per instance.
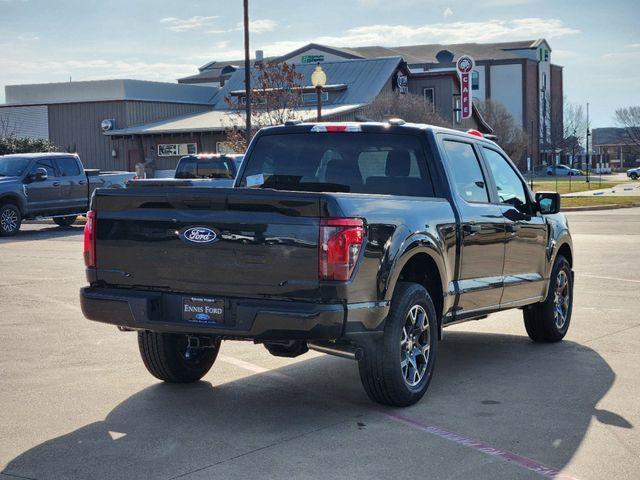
(482, 447)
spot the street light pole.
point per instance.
(319, 101)
(587, 152)
(247, 73)
(318, 80)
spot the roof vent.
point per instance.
(293, 122)
(444, 56)
(396, 121)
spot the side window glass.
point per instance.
(68, 167)
(45, 163)
(466, 172)
(510, 188)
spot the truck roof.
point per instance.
(393, 125)
(39, 154)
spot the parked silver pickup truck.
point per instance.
(56, 185)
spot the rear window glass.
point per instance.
(68, 167)
(339, 162)
(192, 167)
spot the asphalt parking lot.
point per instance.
(76, 401)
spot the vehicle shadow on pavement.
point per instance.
(44, 233)
(312, 419)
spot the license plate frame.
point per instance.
(204, 310)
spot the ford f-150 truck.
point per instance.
(54, 185)
(362, 240)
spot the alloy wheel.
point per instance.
(415, 345)
(561, 300)
(8, 220)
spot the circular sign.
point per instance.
(465, 64)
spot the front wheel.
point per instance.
(397, 369)
(10, 220)
(634, 176)
(548, 321)
(170, 357)
(65, 221)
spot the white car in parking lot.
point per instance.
(562, 170)
(633, 173)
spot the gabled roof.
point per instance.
(219, 121)
(356, 83)
(342, 52)
(364, 79)
(427, 53)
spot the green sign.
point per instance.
(312, 58)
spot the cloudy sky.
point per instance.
(49, 41)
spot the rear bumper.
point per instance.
(243, 318)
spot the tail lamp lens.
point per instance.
(340, 244)
(90, 239)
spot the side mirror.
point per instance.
(548, 202)
(39, 175)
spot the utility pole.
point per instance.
(247, 73)
(587, 152)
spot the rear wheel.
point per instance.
(397, 369)
(634, 176)
(548, 321)
(65, 221)
(10, 220)
(171, 358)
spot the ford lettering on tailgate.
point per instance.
(198, 235)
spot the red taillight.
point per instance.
(339, 247)
(90, 239)
(475, 133)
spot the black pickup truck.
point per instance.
(34, 185)
(360, 240)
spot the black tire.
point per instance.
(634, 176)
(540, 320)
(65, 221)
(10, 220)
(381, 371)
(164, 355)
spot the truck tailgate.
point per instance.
(209, 241)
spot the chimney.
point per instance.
(259, 55)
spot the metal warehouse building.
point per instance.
(72, 115)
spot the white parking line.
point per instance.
(617, 279)
(479, 446)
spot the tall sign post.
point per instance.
(464, 66)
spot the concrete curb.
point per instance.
(588, 208)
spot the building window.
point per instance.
(475, 80)
(177, 149)
(430, 98)
(544, 81)
(312, 98)
(457, 109)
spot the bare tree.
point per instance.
(510, 136)
(575, 127)
(629, 119)
(276, 93)
(410, 107)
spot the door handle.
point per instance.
(471, 228)
(55, 184)
(512, 227)
(82, 182)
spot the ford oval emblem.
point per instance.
(203, 317)
(199, 235)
